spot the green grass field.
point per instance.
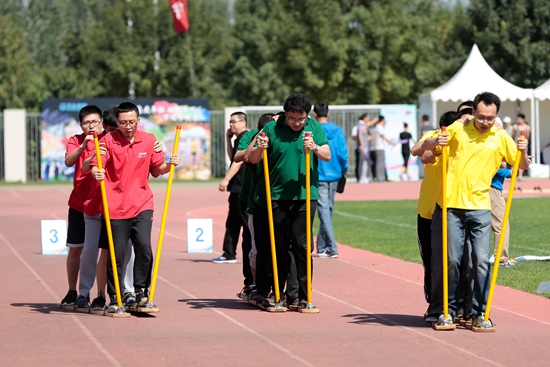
(389, 227)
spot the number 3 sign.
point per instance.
(199, 236)
(54, 237)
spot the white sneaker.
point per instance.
(323, 255)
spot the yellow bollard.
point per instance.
(310, 306)
(108, 224)
(446, 323)
(486, 326)
(163, 221)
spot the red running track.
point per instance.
(371, 305)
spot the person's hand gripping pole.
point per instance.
(163, 221)
(487, 325)
(445, 323)
(271, 229)
(310, 308)
(108, 224)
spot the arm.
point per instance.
(86, 165)
(72, 157)
(428, 157)
(522, 146)
(322, 152)
(165, 167)
(256, 153)
(228, 147)
(229, 175)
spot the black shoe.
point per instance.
(82, 302)
(128, 299)
(113, 305)
(98, 303)
(70, 298)
(142, 296)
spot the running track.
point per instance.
(371, 305)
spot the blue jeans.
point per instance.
(325, 205)
(461, 225)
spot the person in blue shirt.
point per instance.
(329, 174)
(498, 207)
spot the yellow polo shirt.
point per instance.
(473, 160)
(430, 182)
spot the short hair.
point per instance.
(488, 99)
(465, 111)
(381, 118)
(425, 117)
(447, 118)
(521, 115)
(240, 115)
(109, 116)
(465, 103)
(363, 116)
(405, 125)
(125, 107)
(264, 119)
(88, 110)
(321, 109)
(297, 102)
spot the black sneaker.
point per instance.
(128, 299)
(70, 298)
(82, 302)
(113, 305)
(142, 296)
(98, 304)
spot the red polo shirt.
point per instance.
(82, 180)
(127, 168)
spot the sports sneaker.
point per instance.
(323, 254)
(113, 306)
(431, 317)
(507, 263)
(224, 260)
(142, 297)
(98, 303)
(82, 302)
(333, 256)
(479, 320)
(69, 298)
(128, 299)
(248, 289)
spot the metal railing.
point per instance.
(34, 136)
(217, 141)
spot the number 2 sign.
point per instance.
(199, 236)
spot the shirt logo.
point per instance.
(491, 145)
(142, 155)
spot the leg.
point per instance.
(373, 165)
(141, 237)
(498, 207)
(436, 265)
(128, 268)
(323, 211)
(479, 226)
(298, 233)
(246, 245)
(424, 233)
(281, 219)
(263, 258)
(88, 260)
(253, 252)
(380, 166)
(456, 235)
(233, 225)
(75, 241)
(102, 271)
(121, 229)
(358, 164)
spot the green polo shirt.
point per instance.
(250, 180)
(286, 159)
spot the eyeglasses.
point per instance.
(488, 120)
(234, 121)
(130, 123)
(293, 120)
(90, 122)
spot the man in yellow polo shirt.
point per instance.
(475, 154)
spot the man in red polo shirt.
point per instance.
(128, 158)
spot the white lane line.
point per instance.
(244, 327)
(421, 284)
(515, 246)
(366, 219)
(433, 338)
(86, 331)
(14, 193)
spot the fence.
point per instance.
(344, 116)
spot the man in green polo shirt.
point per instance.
(286, 143)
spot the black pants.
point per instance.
(246, 246)
(359, 159)
(424, 232)
(289, 222)
(233, 225)
(406, 155)
(137, 229)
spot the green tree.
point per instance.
(514, 38)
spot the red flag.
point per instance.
(179, 14)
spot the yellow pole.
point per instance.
(271, 230)
(108, 223)
(444, 228)
(308, 223)
(164, 214)
(502, 233)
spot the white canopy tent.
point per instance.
(476, 76)
(542, 108)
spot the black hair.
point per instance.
(447, 118)
(298, 103)
(521, 115)
(321, 109)
(264, 119)
(127, 107)
(425, 117)
(240, 115)
(88, 110)
(380, 118)
(488, 99)
(363, 116)
(465, 111)
(465, 103)
(109, 116)
(405, 125)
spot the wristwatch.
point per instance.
(316, 148)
